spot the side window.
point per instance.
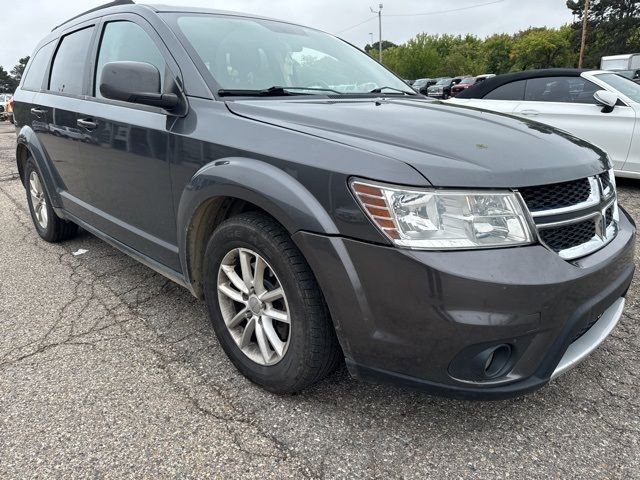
(125, 41)
(510, 91)
(67, 72)
(34, 77)
(561, 89)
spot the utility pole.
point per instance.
(585, 24)
(379, 12)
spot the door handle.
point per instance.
(530, 113)
(87, 124)
(36, 112)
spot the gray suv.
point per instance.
(321, 208)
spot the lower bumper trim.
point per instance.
(591, 340)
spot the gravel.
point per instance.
(109, 370)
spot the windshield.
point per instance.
(444, 81)
(622, 84)
(467, 81)
(252, 54)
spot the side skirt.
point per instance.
(163, 270)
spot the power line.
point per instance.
(440, 12)
(356, 25)
(468, 7)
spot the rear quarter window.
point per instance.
(561, 89)
(37, 71)
(70, 62)
(510, 91)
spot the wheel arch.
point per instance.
(28, 145)
(225, 188)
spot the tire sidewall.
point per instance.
(240, 235)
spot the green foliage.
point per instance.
(7, 83)
(18, 70)
(385, 44)
(543, 48)
(496, 51)
(442, 55)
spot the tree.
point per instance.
(543, 48)
(612, 28)
(18, 70)
(385, 44)
(7, 83)
(465, 57)
(497, 53)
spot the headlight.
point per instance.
(445, 219)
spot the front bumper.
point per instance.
(415, 317)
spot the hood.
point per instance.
(450, 145)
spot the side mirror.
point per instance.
(135, 82)
(606, 99)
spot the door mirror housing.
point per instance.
(135, 82)
(606, 99)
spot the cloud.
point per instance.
(28, 21)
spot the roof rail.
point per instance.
(115, 3)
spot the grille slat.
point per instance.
(568, 236)
(557, 195)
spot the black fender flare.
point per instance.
(257, 182)
(28, 139)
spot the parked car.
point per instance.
(320, 222)
(6, 107)
(468, 83)
(422, 84)
(442, 89)
(598, 106)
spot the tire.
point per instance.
(311, 351)
(49, 226)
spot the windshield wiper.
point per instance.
(380, 89)
(271, 91)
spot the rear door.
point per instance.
(61, 101)
(567, 103)
(126, 153)
(27, 110)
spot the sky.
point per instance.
(27, 21)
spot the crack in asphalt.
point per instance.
(84, 295)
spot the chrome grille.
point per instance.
(558, 195)
(575, 218)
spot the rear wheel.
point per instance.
(266, 306)
(48, 225)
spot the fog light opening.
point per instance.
(496, 361)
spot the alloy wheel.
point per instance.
(38, 200)
(254, 306)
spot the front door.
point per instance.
(127, 150)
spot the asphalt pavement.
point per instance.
(108, 370)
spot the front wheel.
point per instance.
(266, 307)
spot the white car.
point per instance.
(599, 106)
